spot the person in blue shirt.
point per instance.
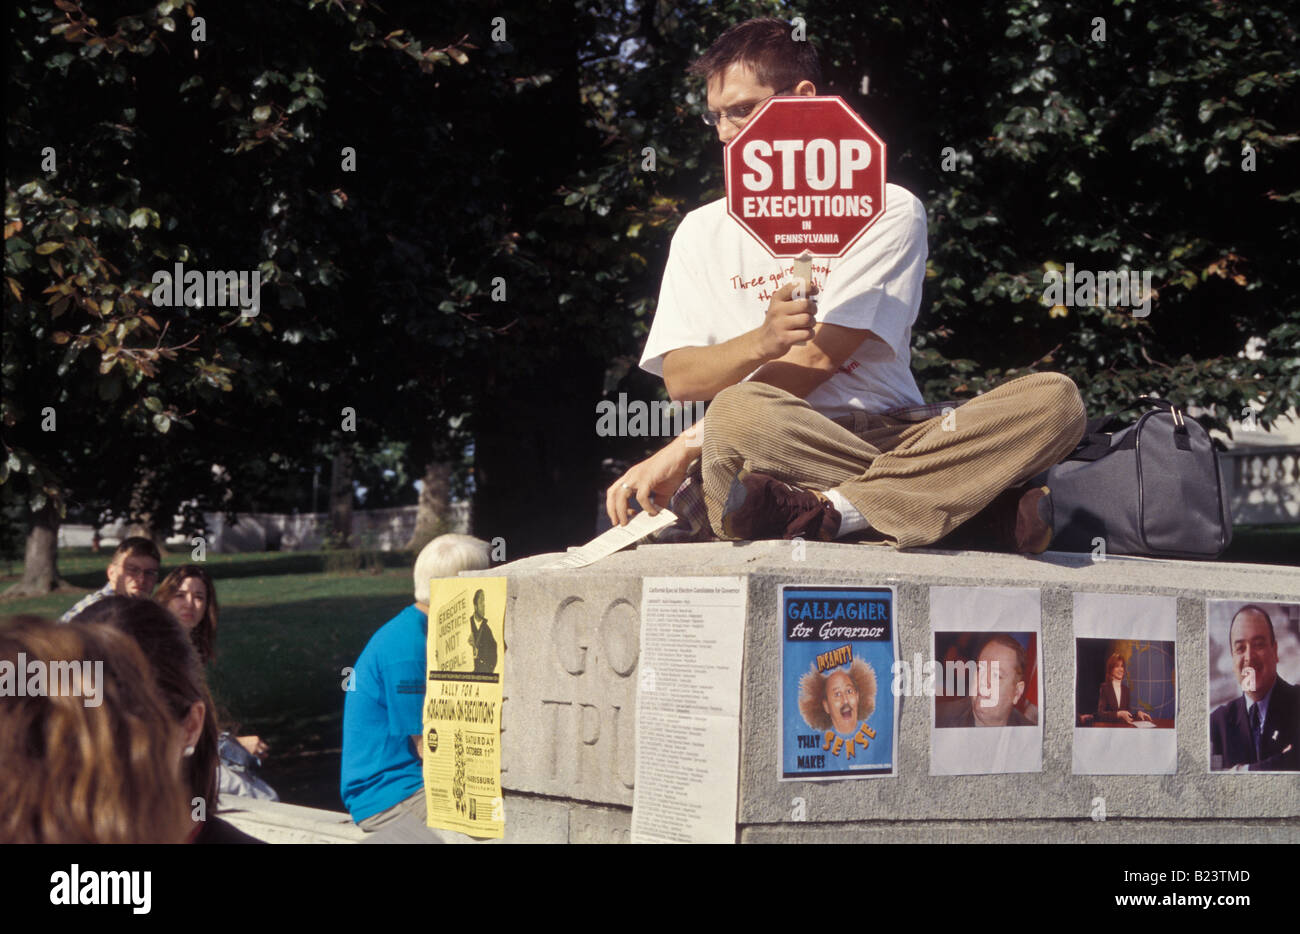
(382, 782)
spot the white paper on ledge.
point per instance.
(615, 539)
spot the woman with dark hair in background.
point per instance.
(102, 765)
(190, 595)
(179, 674)
(1113, 701)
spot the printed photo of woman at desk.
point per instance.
(1113, 700)
(1124, 683)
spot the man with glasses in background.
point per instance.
(133, 572)
(816, 428)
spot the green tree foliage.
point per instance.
(492, 261)
(144, 138)
(1112, 138)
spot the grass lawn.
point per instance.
(286, 630)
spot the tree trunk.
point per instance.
(41, 562)
(536, 476)
(536, 461)
(341, 499)
(143, 528)
(433, 512)
(144, 509)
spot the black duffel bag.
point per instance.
(1150, 488)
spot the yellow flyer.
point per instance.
(462, 705)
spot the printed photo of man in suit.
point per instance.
(481, 640)
(1259, 731)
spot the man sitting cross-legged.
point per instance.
(809, 432)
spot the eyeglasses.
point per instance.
(738, 113)
(139, 573)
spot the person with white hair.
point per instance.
(382, 781)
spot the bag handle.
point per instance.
(1180, 423)
(1095, 443)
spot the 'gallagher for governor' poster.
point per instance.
(462, 705)
(838, 711)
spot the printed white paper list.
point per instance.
(688, 710)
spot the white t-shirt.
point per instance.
(719, 280)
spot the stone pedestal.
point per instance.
(571, 676)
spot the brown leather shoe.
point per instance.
(1033, 532)
(760, 506)
(1019, 519)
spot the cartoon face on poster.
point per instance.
(838, 713)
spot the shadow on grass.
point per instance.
(90, 580)
(279, 674)
(78, 567)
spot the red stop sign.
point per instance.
(806, 173)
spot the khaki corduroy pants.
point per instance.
(913, 481)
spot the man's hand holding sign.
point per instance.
(700, 373)
(792, 315)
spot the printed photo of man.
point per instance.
(481, 640)
(1259, 730)
(1000, 681)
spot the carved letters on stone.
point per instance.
(585, 701)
